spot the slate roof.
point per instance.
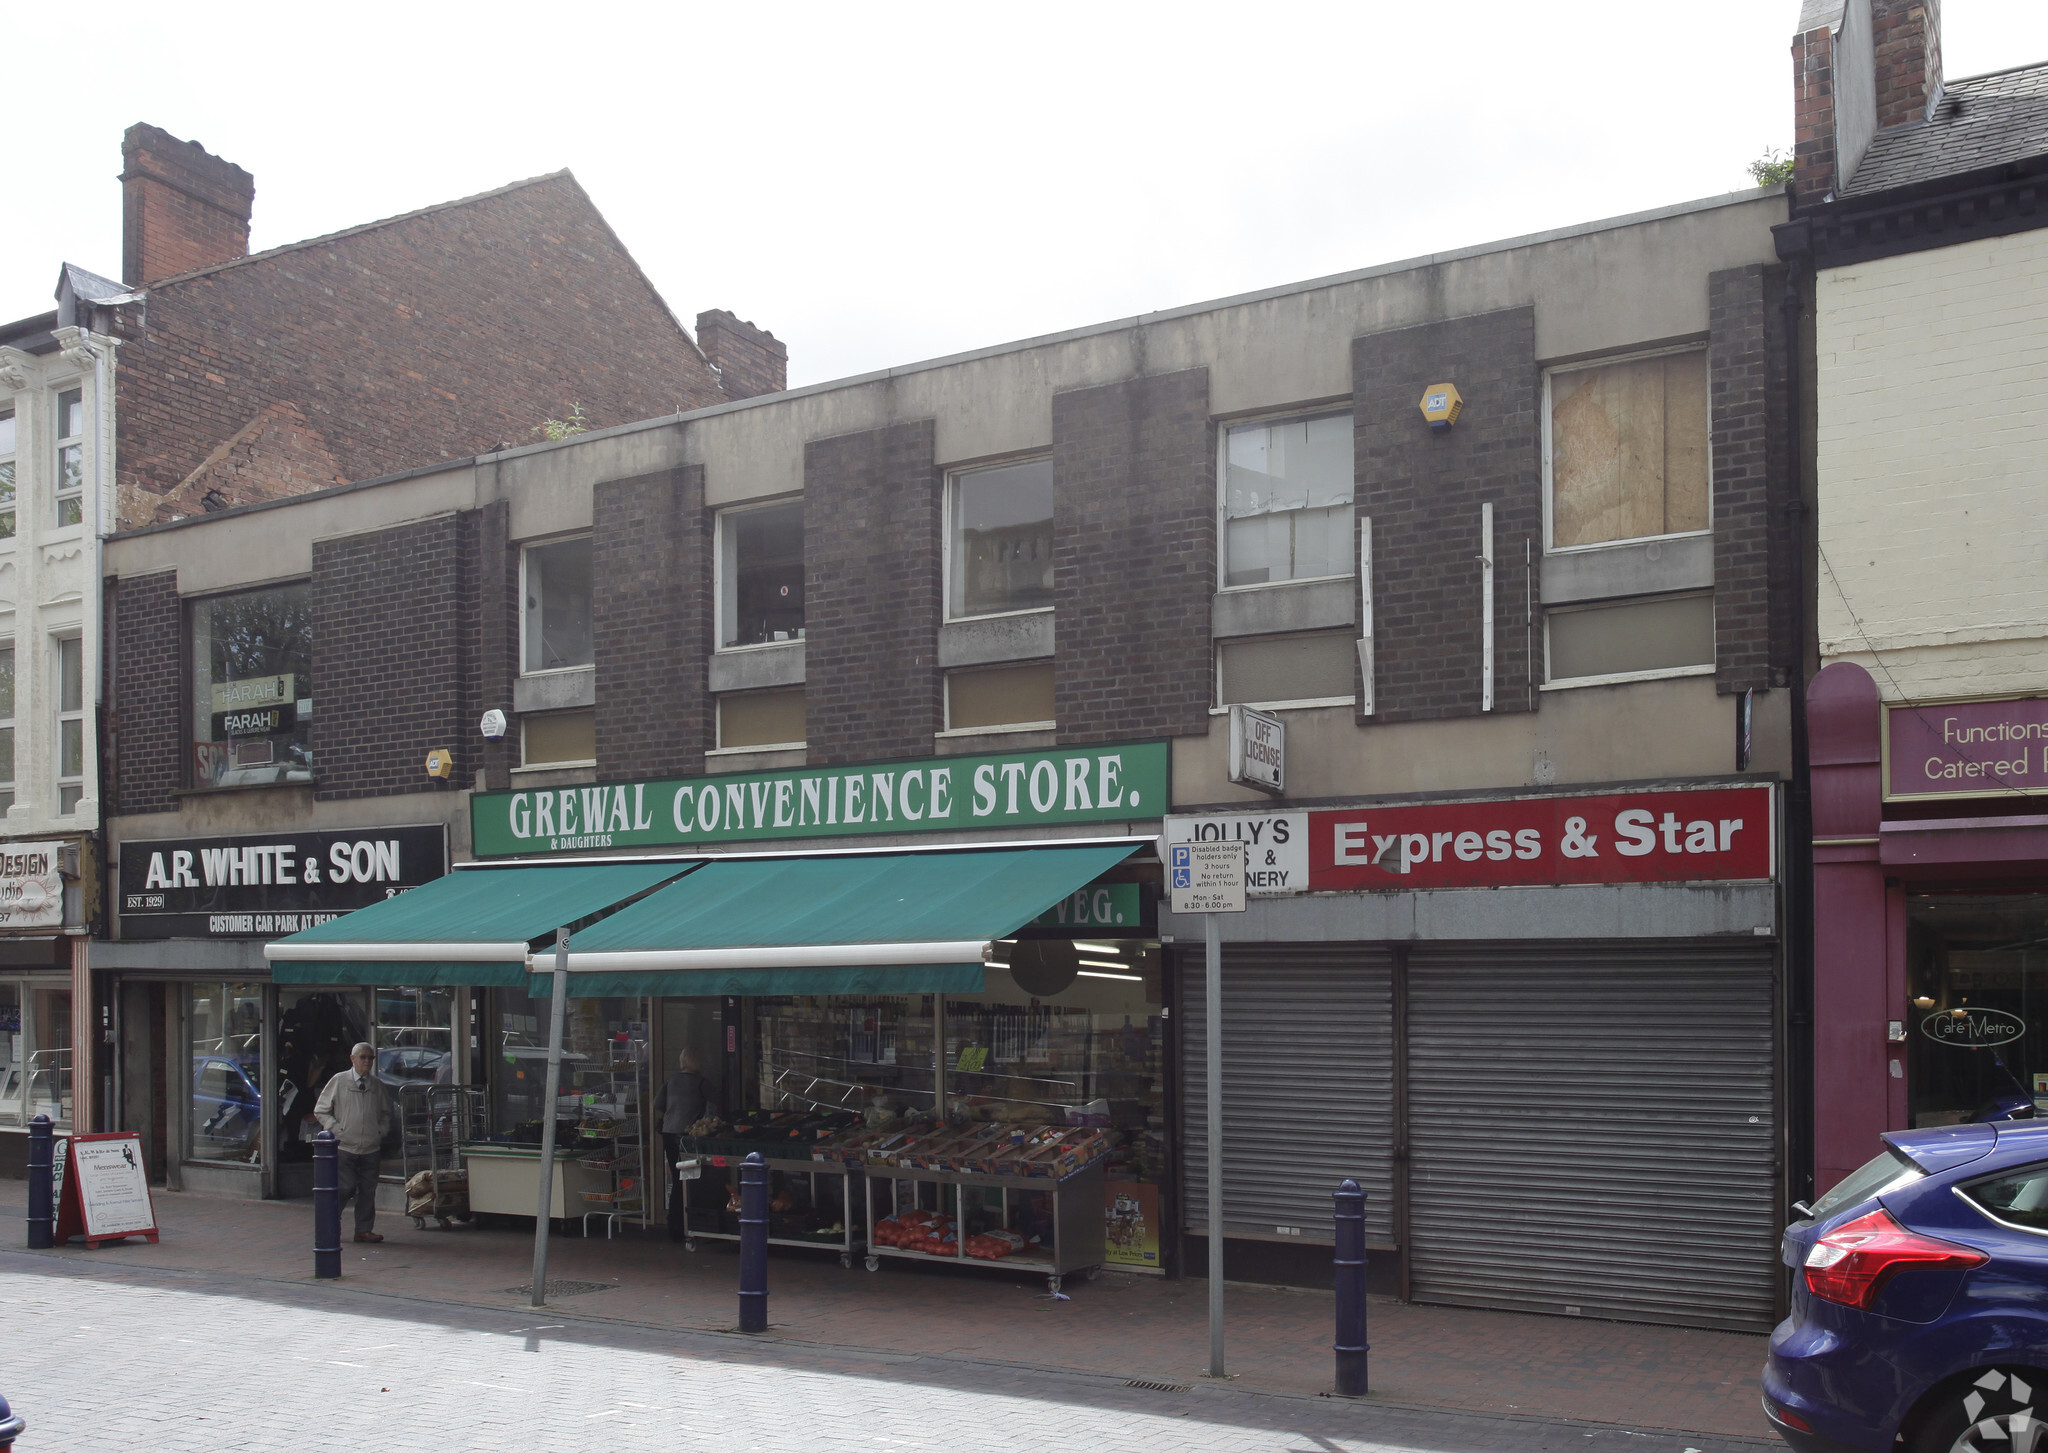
(1982, 121)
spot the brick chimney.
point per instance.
(1906, 42)
(181, 206)
(749, 360)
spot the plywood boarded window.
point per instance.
(1012, 696)
(552, 738)
(1264, 669)
(761, 718)
(1628, 449)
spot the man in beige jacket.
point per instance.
(352, 1105)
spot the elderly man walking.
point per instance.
(353, 1106)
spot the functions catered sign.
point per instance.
(106, 1191)
(1966, 748)
(31, 887)
(1109, 783)
(1275, 845)
(1703, 834)
(270, 884)
(1206, 877)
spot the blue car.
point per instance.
(1920, 1301)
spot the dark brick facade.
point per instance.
(1423, 492)
(437, 335)
(651, 623)
(1134, 557)
(497, 638)
(750, 361)
(394, 656)
(1745, 392)
(872, 593)
(146, 724)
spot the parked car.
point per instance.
(410, 1065)
(1920, 1300)
(227, 1109)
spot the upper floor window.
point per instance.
(70, 723)
(70, 456)
(1627, 449)
(252, 687)
(557, 614)
(999, 539)
(761, 575)
(1287, 500)
(6, 726)
(6, 474)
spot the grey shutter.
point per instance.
(1592, 1128)
(1308, 1088)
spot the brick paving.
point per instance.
(977, 1330)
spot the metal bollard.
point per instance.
(754, 1243)
(12, 1426)
(326, 1207)
(42, 1158)
(1351, 1345)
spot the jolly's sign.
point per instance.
(1112, 783)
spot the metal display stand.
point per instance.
(433, 1119)
(849, 1243)
(1076, 1217)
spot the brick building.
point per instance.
(1517, 895)
(1918, 247)
(210, 379)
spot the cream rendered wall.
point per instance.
(1932, 452)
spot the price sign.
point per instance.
(1206, 877)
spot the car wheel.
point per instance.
(2002, 1410)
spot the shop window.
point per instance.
(596, 1035)
(999, 539)
(6, 474)
(252, 696)
(761, 719)
(70, 456)
(224, 1029)
(415, 1042)
(1017, 697)
(1668, 636)
(761, 575)
(1320, 669)
(1287, 486)
(48, 1055)
(6, 726)
(316, 1029)
(1977, 1013)
(558, 739)
(13, 1058)
(1627, 449)
(557, 615)
(70, 724)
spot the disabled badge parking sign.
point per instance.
(1206, 877)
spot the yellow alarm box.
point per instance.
(1440, 405)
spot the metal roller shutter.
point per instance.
(1592, 1129)
(1308, 1088)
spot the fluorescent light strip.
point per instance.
(1090, 974)
(1101, 964)
(1098, 948)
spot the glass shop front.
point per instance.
(1977, 978)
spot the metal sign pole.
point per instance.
(1212, 937)
(560, 1001)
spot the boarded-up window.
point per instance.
(1670, 633)
(559, 736)
(761, 718)
(1628, 450)
(1321, 667)
(1005, 696)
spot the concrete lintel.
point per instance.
(781, 664)
(1270, 610)
(1025, 637)
(555, 691)
(1632, 910)
(1635, 569)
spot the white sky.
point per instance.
(879, 184)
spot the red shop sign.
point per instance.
(1714, 834)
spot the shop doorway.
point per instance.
(1977, 981)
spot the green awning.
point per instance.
(473, 926)
(884, 923)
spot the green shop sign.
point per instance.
(1111, 783)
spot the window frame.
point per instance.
(62, 441)
(1623, 678)
(1001, 728)
(1294, 415)
(1219, 707)
(60, 715)
(188, 669)
(718, 700)
(948, 499)
(1603, 360)
(1962, 1193)
(526, 549)
(11, 413)
(718, 619)
(566, 764)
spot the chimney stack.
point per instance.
(1906, 40)
(749, 360)
(181, 207)
(1858, 67)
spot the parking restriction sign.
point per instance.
(1206, 877)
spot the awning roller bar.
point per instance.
(810, 956)
(290, 951)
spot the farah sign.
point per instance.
(1113, 783)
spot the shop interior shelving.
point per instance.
(1078, 1244)
(613, 1136)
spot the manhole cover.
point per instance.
(563, 1289)
(1158, 1386)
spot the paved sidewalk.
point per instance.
(1120, 1326)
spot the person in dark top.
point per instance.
(683, 1099)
